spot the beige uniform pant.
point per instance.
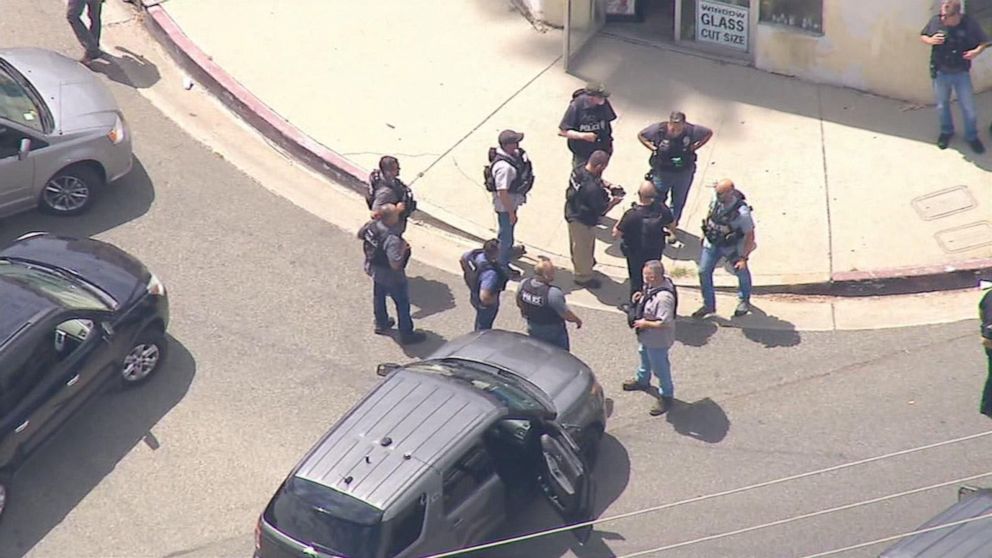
(582, 243)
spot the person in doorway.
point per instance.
(486, 278)
(88, 37)
(955, 40)
(985, 314)
(587, 123)
(386, 188)
(653, 320)
(510, 178)
(587, 199)
(641, 231)
(543, 305)
(673, 145)
(728, 233)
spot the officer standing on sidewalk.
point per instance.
(509, 177)
(587, 198)
(385, 187)
(88, 37)
(587, 123)
(653, 319)
(486, 279)
(985, 314)
(543, 305)
(673, 146)
(728, 232)
(641, 231)
(386, 256)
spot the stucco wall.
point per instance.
(868, 45)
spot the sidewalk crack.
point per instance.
(826, 182)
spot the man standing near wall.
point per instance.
(955, 40)
(587, 123)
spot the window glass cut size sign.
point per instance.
(723, 24)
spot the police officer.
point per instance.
(673, 146)
(728, 233)
(486, 279)
(385, 187)
(588, 198)
(386, 256)
(641, 231)
(955, 40)
(654, 322)
(543, 305)
(587, 123)
(985, 314)
(512, 177)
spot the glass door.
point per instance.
(583, 19)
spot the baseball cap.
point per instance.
(509, 136)
(597, 89)
(676, 117)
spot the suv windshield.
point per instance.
(328, 520)
(18, 101)
(67, 293)
(510, 390)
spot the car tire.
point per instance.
(589, 442)
(144, 357)
(70, 191)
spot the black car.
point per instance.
(76, 316)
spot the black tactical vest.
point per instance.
(949, 57)
(524, 179)
(532, 298)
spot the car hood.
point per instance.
(108, 267)
(563, 377)
(75, 96)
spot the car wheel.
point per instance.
(144, 357)
(589, 442)
(70, 191)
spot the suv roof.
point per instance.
(21, 306)
(960, 541)
(394, 435)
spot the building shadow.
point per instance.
(88, 448)
(611, 475)
(116, 204)
(702, 420)
(131, 69)
(430, 297)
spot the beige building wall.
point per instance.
(871, 45)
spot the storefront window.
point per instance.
(802, 14)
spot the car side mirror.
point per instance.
(385, 368)
(23, 149)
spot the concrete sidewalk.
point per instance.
(845, 186)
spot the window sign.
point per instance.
(724, 24)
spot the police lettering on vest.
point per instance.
(717, 226)
(524, 179)
(532, 298)
(673, 153)
(592, 118)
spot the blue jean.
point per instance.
(655, 360)
(677, 183)
(708, 259)
(505, 236)
(960, 82)
(555, 334)
(485, 316)
(400, 293)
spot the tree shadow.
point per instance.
(703, 420)
(74, 461)
(131, 69)
(430, 297)
(611, 476)
(117, 203)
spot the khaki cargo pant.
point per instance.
(582, 243)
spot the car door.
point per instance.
(563, 476)
(84, 354)
(473, 496)
(16, 175)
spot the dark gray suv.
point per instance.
(441, 452)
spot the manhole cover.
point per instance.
(967, 237)
(944, 202)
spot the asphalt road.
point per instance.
(271, 341)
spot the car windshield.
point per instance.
(18, 101)
(65, 292)
(516, 393)
(326, 519)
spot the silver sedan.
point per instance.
(62, 135)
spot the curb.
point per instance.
(329, 163)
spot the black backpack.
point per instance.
(374, 178)
(636, 311)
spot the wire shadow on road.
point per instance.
(430, 297)
(702, 420)
(131, 69)
(88, 448)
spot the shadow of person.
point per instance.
(766, 329)
(88, 448)
(420, 350)
(689, 250)
(430, 297)
(610, 475)
(604, 231)
(703, 420)
(694, 333)
(131, 69)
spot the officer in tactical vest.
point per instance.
(985, 314)
(510, 177)
(728, 233)
(673, 146)
(385, 187)
(543, 305)
(386, 256)
(641, 231)
(955, 40)
(587, 123)
(653, 320)
(485, 279)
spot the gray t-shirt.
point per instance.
(503, 175)
(556, 301)
(385, 195)
(661, 308)
(396, 252)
